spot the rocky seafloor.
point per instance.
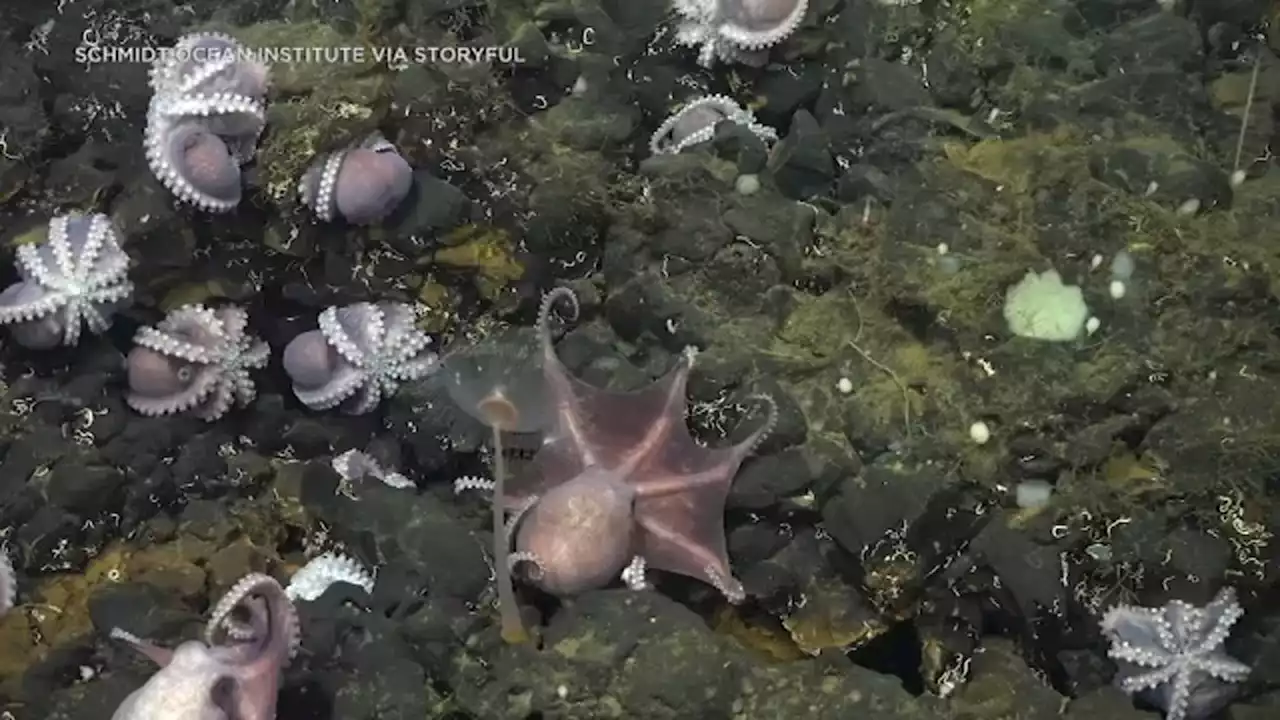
(890, 572)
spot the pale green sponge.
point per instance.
(1040, 306)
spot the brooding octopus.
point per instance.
(359, 355)
(196, 360)
(78, 276)
(208, 108)
(361, 184)
(736, 30)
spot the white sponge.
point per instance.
(1041, 307)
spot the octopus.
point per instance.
(620, 486)
(234, 673)
(77, 276)
(359, 355)
(207, 110)
(313, 579)
(355, 466)
(736, 30)
(696, 122)
(196, 360)
(1175, 655)
(362, 184)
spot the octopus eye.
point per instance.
(185, 374)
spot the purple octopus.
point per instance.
(235, 673)
(206, 114)
(736, 30)
(363, 184)
(359, 355)
(78, 274)
(195, 360)
(619, 485)
(696, 123)
(1175, 655)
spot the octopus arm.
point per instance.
(618, 429)
(108, 270)
(356, 331)
(257, 355)
(367, 396)
(344, 383)
(204, 383)
(683, 533)
(218, 399)
(680, 500)
(101, 306)
(414, 368)
(25, 301)
(398, 321)
(235, 322)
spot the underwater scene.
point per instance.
(654, 359)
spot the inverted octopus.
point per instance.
(196, 360)
(235, 673)
(736, 30)
(77, 275)
(619, 485)
(359, 355)
(206, 113)
(1175, 656)
(696, 122)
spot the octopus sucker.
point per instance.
(696, 122)
(251, 636)
(358, 355)
(206, 114)
(736, 30)
(77, 276)
(361, 184)
(196, 360)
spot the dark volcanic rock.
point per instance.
(801, 163)
(624, 654)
